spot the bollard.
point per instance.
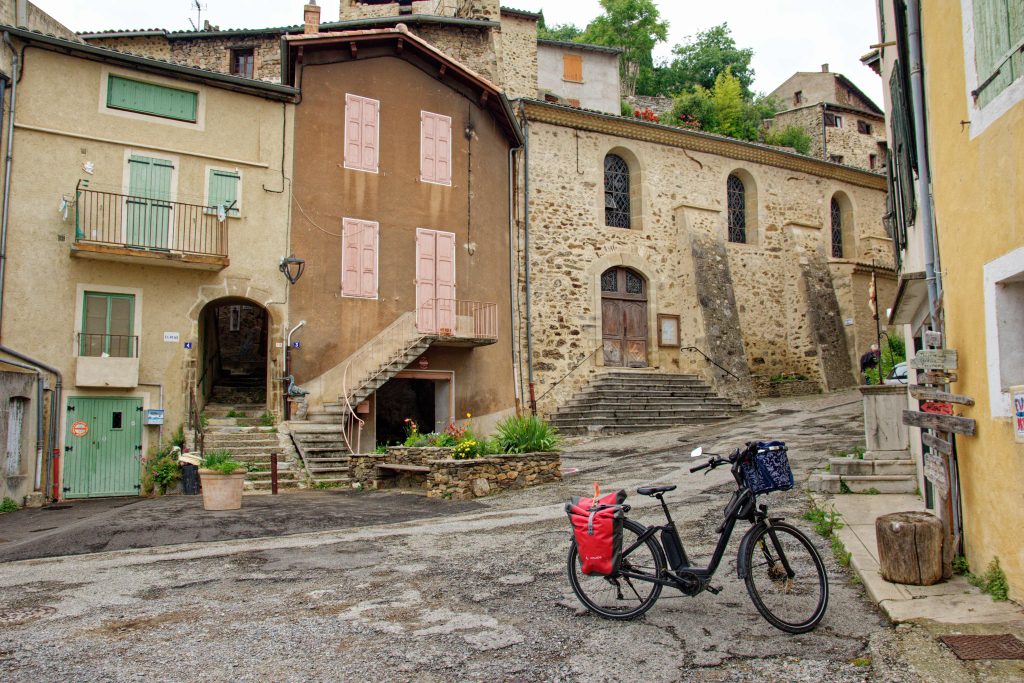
(273, 474)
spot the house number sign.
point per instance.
(79, 428)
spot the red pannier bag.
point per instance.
(597, 526)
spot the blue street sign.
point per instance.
(296, 345)
(188, 345)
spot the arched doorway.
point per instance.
(624, 318)
(234, 336)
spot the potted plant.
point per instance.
(223, 478)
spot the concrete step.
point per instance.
(639, 419)
(246, 449)
(833, 483)
(582, 430)
(642, 399)
(303, 428)
(229, 440)
(636, 414)
(853, 467)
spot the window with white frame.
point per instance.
(1004, 328)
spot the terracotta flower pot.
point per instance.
(222, 491)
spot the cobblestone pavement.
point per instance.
(476, 596)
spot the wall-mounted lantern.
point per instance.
(293, 268)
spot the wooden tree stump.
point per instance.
(910, 547)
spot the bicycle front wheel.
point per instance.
(786, 578)
(618, 596)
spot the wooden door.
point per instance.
(104, 440)
(148, 204)
(624, 318)
(435, 281)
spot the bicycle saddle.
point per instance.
(651, 490)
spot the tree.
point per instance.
(724, 109)
(700, 61)
(563, 32)
(636, 27)
(790, 136)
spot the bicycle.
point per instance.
(781, 568)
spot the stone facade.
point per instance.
(659, 105)
(768, 306)
(519, 55)
(463, 9)
(847, 145)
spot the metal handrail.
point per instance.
(709, 359)
(484, 317)
(196, 420)
(107, 342)
(574, 368)
(136, 222)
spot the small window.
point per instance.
(833, 120)
(117, 420)
(108, 325)
(359, 258)
(737, 203)
(152, 99)
(574, 103)
(435, 148)
(362, 126)
(872, 161)
(222, 195)
(836, 158)
(863, 127)
(616, 192)
(837, 229)
(243, 62)
(572, 68)
(798, 97)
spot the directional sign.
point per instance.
(935, 470)
(934, 359)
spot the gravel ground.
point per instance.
(478, 596)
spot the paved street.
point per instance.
(475, 595)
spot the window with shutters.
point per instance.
(362, 133)
(149, 98)
(863, 127)
(359, 258)
(243, 61)
(572, 68)
(998, 47)
(108, 324)
(435, 148)
(223, 195)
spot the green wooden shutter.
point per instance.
(224, 190)
(149, 208)
(998, 36)
(108, 322)
(150, 98)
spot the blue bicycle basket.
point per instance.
(769, 469)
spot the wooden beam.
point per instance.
(943, 423)
(354, 48)
(938, 378)
(927, 394)
(936, 444)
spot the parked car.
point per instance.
(898, 374)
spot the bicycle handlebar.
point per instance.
(716, 461)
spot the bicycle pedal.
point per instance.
(713, 590)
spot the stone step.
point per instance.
(323, 418)
(217, 440)
(304, 428)
(249, 449)
(646, 396)
(638, 415)
(332, 482)
(318, 472)
(854, 467)
(264, 487)
(282, 475)
(582, 430)
(833, 483)
(605, 406)
(234, 422)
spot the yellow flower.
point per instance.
(469, 415)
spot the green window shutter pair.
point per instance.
(108, 324)
(998, 40)
(224, 191)
(150, 98)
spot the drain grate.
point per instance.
(24, 615)
(985, 647)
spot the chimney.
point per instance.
(824, 68)
(311, 18)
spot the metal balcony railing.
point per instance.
(108, 345)
(460, 319)
(132, 222)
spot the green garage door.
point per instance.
(103, 447)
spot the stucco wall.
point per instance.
(600, 87)
(52, 145)
(18, 468)
(978, 187)
(474, 207)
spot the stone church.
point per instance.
(639, 250)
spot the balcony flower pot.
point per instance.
(222, 491)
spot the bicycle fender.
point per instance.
(742, 567)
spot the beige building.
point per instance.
(579, 75)
(148, 215)
(845, 126)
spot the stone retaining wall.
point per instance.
(765, 388)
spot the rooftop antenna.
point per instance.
(197, 25)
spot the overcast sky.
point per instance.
(787, 35)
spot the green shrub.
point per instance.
(526, 434)
(8, 505)
(178, 437)
(779, 379)
(894, 351)
(960, 566)
(160, 469)
(626, 109)
(794, 137)
(221, 462)
(268, 419)
(381, 449)
(843, 556)
(824, 522)
(993, 581)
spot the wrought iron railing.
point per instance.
(457, 318)
(134, 222)
(108, 345)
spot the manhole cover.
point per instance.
(24, 615)
(985, 647)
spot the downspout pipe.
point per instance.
(512, 279)
(55, 405)
(526, 258)
(932, 274)
(6, 212)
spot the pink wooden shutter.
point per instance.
(443, 173)
(350, 257)
(371, 110)
(445, 280)
(368, 260)
(428, 144)
(353, 131)
(425, 279)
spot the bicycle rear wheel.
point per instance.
(786, 578)
(618, 596)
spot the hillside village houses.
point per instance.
(538, 246)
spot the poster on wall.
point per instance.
(1017, 398)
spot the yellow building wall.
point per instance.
(979, 203)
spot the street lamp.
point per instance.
(293, 268)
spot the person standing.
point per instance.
(869, 360)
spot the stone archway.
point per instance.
(233, 353)
(624, 328)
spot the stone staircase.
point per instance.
(867, 475)
(320, 443)
(620, 402)
(251, 443)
